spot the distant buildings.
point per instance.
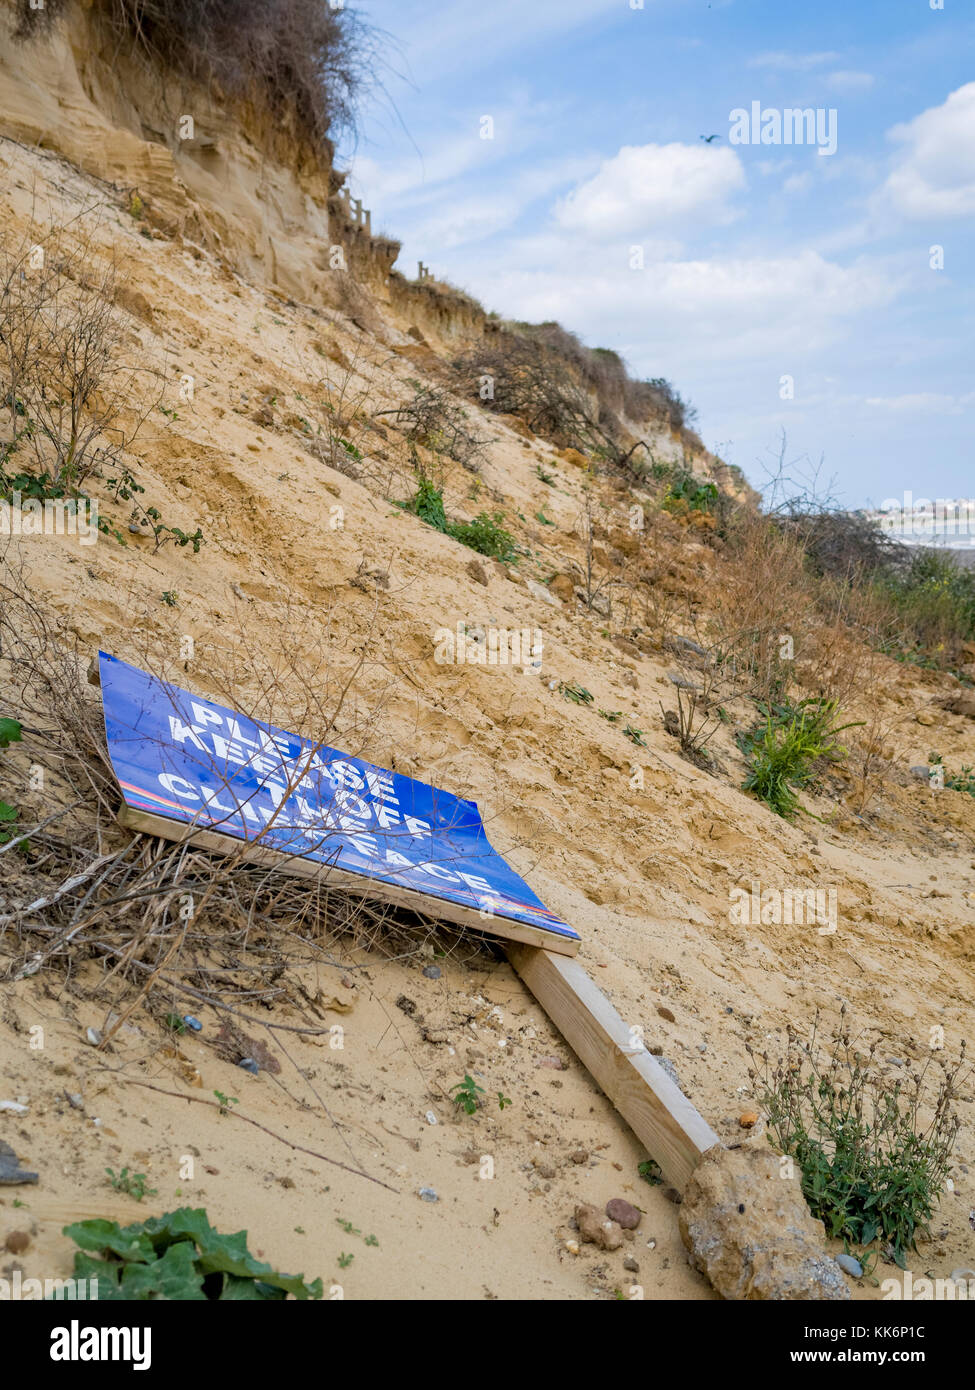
(948, 522)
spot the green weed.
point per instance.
(870, 1169)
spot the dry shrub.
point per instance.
(302, 61)
(73, 393)
(568, 393)
(762, 611)
(432, 418)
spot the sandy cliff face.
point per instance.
(227, 281)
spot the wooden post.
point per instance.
(658, 1112)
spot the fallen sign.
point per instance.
(191, 770)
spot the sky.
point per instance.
(548, 157)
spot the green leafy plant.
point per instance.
(178, 1256)
(503, 1100)
(10, 732)
(8, 816)
(467, 1093)
(870, 1168)
(784, 754)
(963, 781)
(578, 694)
(350, 449)
(635, 736)
(649, 1171)
(686, 493)
(427, 504)
(486, 535)
(170, 598)
(345, 1261)
(225, 1102)
(133, 1184)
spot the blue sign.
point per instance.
(182, 757)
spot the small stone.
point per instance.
(430, 1118)
(14, 1107)
(539, 591)
(93, 1036)
(665, 1013)
(598, 1229)
(673, 1195)
(623, 1213)
(554, 1063)
(432, 972)
(748, 1119)
(572, 1246)
(631, 1265)
(286, 1182)
(248, 1064)
(849, 1265)
(17, 1242)
(545, 1171)
(924, 716)
(193, 1023)
(74, 1100)
(427, 1194)
(579, 1156)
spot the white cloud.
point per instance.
(797, 183)
(686, 312)
(936, 173)
(792, 62)
(645, 187)
(850, 81)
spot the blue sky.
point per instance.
(760, 261)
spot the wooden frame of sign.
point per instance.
(359, 884)
(658, 1112)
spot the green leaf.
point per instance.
(236, 1290)
(174, 1277)
(105, 1271)
(100, 1235)
(10, 732)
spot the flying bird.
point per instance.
(708, 138)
